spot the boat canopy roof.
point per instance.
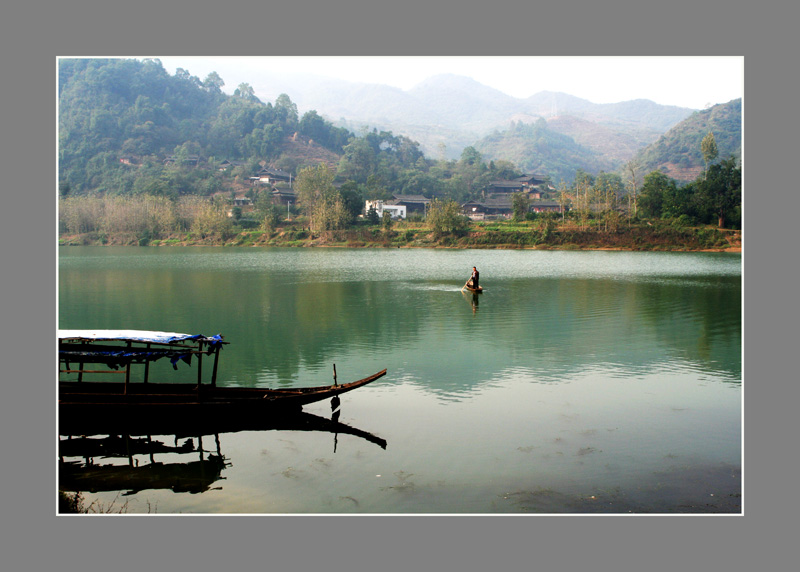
(134, 336)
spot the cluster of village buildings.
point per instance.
(495, 203)
(496, 200)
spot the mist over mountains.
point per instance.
(457, 111)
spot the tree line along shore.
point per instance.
(193, 221)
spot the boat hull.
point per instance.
(98, 402)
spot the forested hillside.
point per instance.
(536, 148)
(678, 152)
(128, 127)
(121, 120)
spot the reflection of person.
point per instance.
(475, 277)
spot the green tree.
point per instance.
(471, 156)
(246, 92)
(358, 160)
(286, 112)
(213, 82)
(387, 223)
(372, 215)
(320, 200)
(657, 192)
(721, 190)
(708, 146)
(503, 170)
(521, 204)
(445, 218)
(353, 199)
(315, 127)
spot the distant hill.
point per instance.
(614, 144)
(536, 148)
(678, 153)
(457, 111)
(639, 112)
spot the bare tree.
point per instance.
(632, 170)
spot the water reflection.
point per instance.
(289, 314)
(126, 457)
(92, 464)
(575, 383)
(473, 298)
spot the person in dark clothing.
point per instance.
(475, 277)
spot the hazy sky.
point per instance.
(684, 81)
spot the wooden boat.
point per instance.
(468, 286)
(122, 351)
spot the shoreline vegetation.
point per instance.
(193, 220)
(532, 235)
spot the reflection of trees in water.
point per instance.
(311, 324)
(557, 326)
(630, 325)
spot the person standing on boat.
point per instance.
(475, 277)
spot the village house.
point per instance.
(526, 184)
(267, 176)
(502, 207)
(546, 206)
(225, 165)
(492, 207)
(413, 203)
(504, 187)
(395, 211)
(530, 181)
(284, 197)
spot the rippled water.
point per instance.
(578, 382)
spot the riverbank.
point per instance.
(501, 235)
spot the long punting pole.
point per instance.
(199, 362)
(199, 367)
(214, 370)
(147, 366)
(128, 372)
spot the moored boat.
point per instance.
(122, 351)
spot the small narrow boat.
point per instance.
(468, 286)
(122, 351)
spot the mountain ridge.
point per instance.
(468, 109)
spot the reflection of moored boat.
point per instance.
(119, 351)
(192, 477)
(180, 427)
(87, 460)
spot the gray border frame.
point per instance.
(34, 33)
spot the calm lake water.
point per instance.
(578, 382)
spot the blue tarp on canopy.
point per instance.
(133, 336)
(115, 357)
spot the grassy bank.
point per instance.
(645, 236)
